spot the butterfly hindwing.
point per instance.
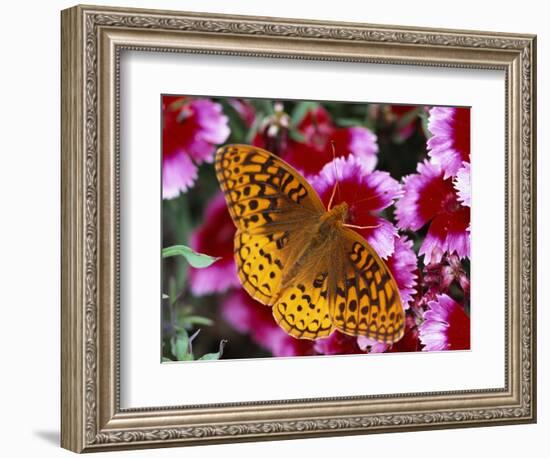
(366, 298)
(260, 262)
(303, 310)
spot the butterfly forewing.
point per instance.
(272, 207)
(262, 191)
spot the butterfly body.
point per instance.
(301, 259)
(322, 234)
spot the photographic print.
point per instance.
(308, 228)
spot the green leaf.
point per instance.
(296, 135)
(197, 260)
(209, 357)
(166, 360)
(214, 356)
(197, 320)
(263, 106)
(409, 117)
(349, 122)
(300, 111)
(180, 347)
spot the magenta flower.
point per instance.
(430, 198)
(367, 194)
(248, 316)
(337, 344)
(446, 326)
(403, 265)
(215, 238)
(408, 343)
(450, 145)
(191, 130)
(372, 346)
(462, 184)
(310, 155)
(438, 277)
(360, 142)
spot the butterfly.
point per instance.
(300, 258)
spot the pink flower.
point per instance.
(439, 276)
(462, 184)
(191, 130)
(367, 194)
(248, 316)
(410, 340)
(408, 343)
(446, 326)
(450, 144)
(371, 345)
(403, 265)
(337, 344)
(215, 238)
(310, 155)
(430, 198)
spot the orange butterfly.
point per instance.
(301, 259)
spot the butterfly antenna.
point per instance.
(353, 226)
(371, 197)
(335, 175)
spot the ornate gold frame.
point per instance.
(92, 40)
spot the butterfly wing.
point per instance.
(274, 209)
(303, 309)
(263, 192)
(365, 299)
(261, 260)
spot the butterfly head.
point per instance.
(338, 213)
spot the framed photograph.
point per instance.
(278, 228)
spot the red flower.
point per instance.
(429, 197)
(439, 276)
(191, 130)
(337, 344)
(450, 145)
(215, 238)
(409, 342)
(367, 194)
(320, 135)
(311, 153)
(250, 317)
(446, 326)
(405, 119)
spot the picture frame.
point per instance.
(93, 40)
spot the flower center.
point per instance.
(352, 215)
(450, 203)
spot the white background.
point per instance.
(29, 190)
(145, 76)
